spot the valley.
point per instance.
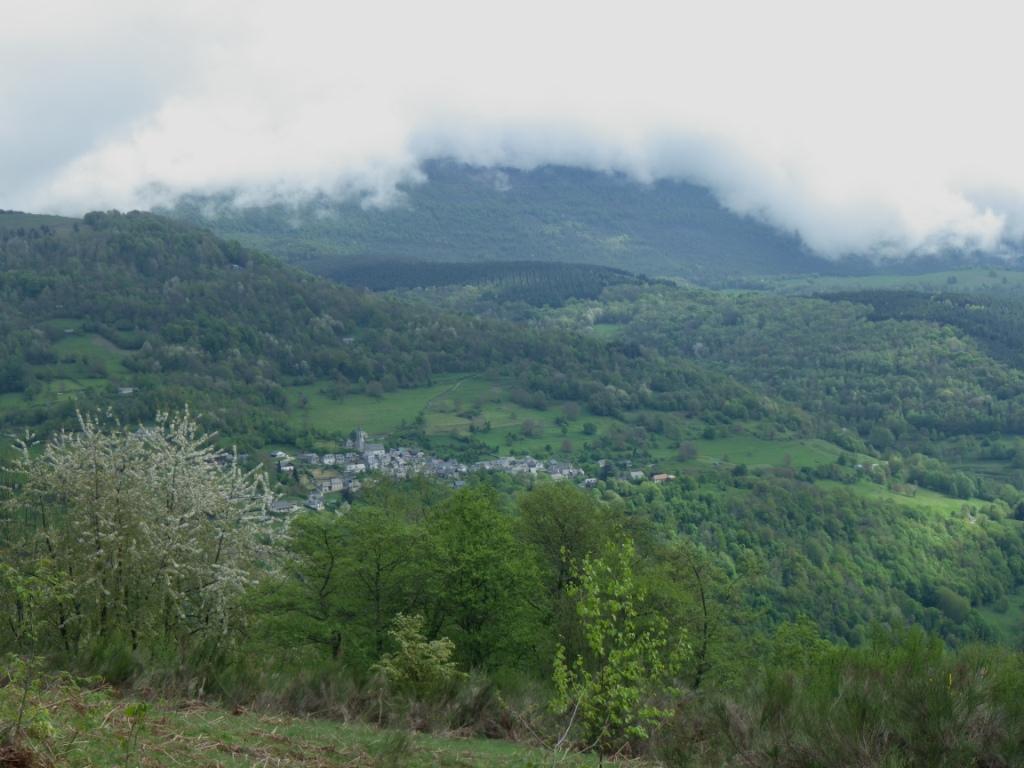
(844, 448)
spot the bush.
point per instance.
(126, 542)
(420, 668)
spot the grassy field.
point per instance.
(1008, 624)
(512, 427)
(378, 416)
(755, 452)
(52, 391)
(446, 408)
(63, 324)
(958, 280)
(922, 499)
(607, 331)
(85, 361)
(12, 220)
(86, 349)
(97, 729)
(993, 469)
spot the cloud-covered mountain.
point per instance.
(863, 127)
(553, 213)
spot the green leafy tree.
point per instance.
(610, 689)
(306, 605)
(561, 525)
(28, 594)
(690, 589)
(481, 581)
(343, 580)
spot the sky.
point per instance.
(865, 127)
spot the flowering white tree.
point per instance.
(146, 536)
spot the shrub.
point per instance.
(420, 668)
(900, 700)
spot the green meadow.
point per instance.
(755, 452)
(51, 391)
(84, 362)
(13, 219)
(922, 498)
(310, 408)
(1007, 619)
(86, 349)
(450, 408)
(606, 331)
(979, 279)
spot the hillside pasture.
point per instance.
(91, 349)
(755, 452)
(377, 415)
(922, 498)
(976, 279)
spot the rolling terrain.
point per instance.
(768, 487)
(722, 388)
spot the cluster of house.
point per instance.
(527, 465)
(360, 457)
(658, 477)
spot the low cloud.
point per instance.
(867, 127)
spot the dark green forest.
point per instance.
(537, 283)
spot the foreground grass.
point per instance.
(97, 729)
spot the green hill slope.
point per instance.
(172, 313)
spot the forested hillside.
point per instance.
(174, 312)
(462, 213)
(995, 322)
(914, 373)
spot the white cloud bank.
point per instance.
(861, 125)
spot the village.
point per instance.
(348, 471)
